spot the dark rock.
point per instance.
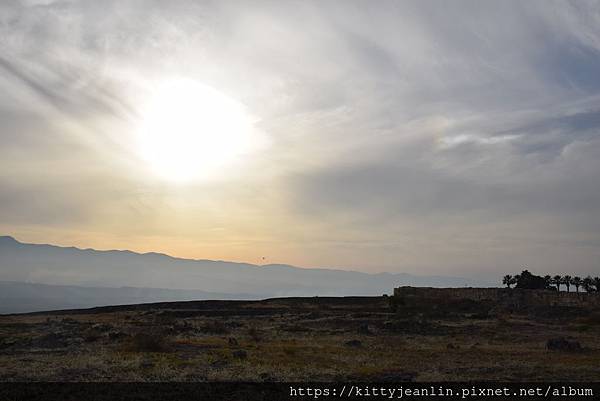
(232, 341)
(353, 343)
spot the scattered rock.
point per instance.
(353, 343)
(452, 346)
(240, 354)
(232, 341)
(562, 344)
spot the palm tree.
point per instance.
(576, 281)
(588, 284)
(566, 280)
(507, 280)
(558, 281)
(596, 283)
(547, 280)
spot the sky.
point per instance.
(425, 137)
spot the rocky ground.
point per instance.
(297, 339)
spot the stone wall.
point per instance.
(505, 296)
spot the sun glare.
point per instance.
(190, 130)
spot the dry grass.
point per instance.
(399, 347)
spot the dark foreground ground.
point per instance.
(300, 339)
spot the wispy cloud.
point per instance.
(463, 134)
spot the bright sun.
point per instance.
(189, 130)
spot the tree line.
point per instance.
(528, 280)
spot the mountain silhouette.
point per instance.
(70, 266)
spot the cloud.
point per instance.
(471, 128)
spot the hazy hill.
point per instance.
(48, 264)
(17, 297)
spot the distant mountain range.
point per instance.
(17, 297)
(68, 277)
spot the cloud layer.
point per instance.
(414, 136)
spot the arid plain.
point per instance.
(287, 339)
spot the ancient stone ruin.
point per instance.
(510, 297)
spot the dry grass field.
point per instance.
(297, 339)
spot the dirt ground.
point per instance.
(301, 339)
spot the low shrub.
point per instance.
(90, 335)
(214, 327)
(254, 334)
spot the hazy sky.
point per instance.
(430, 137)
